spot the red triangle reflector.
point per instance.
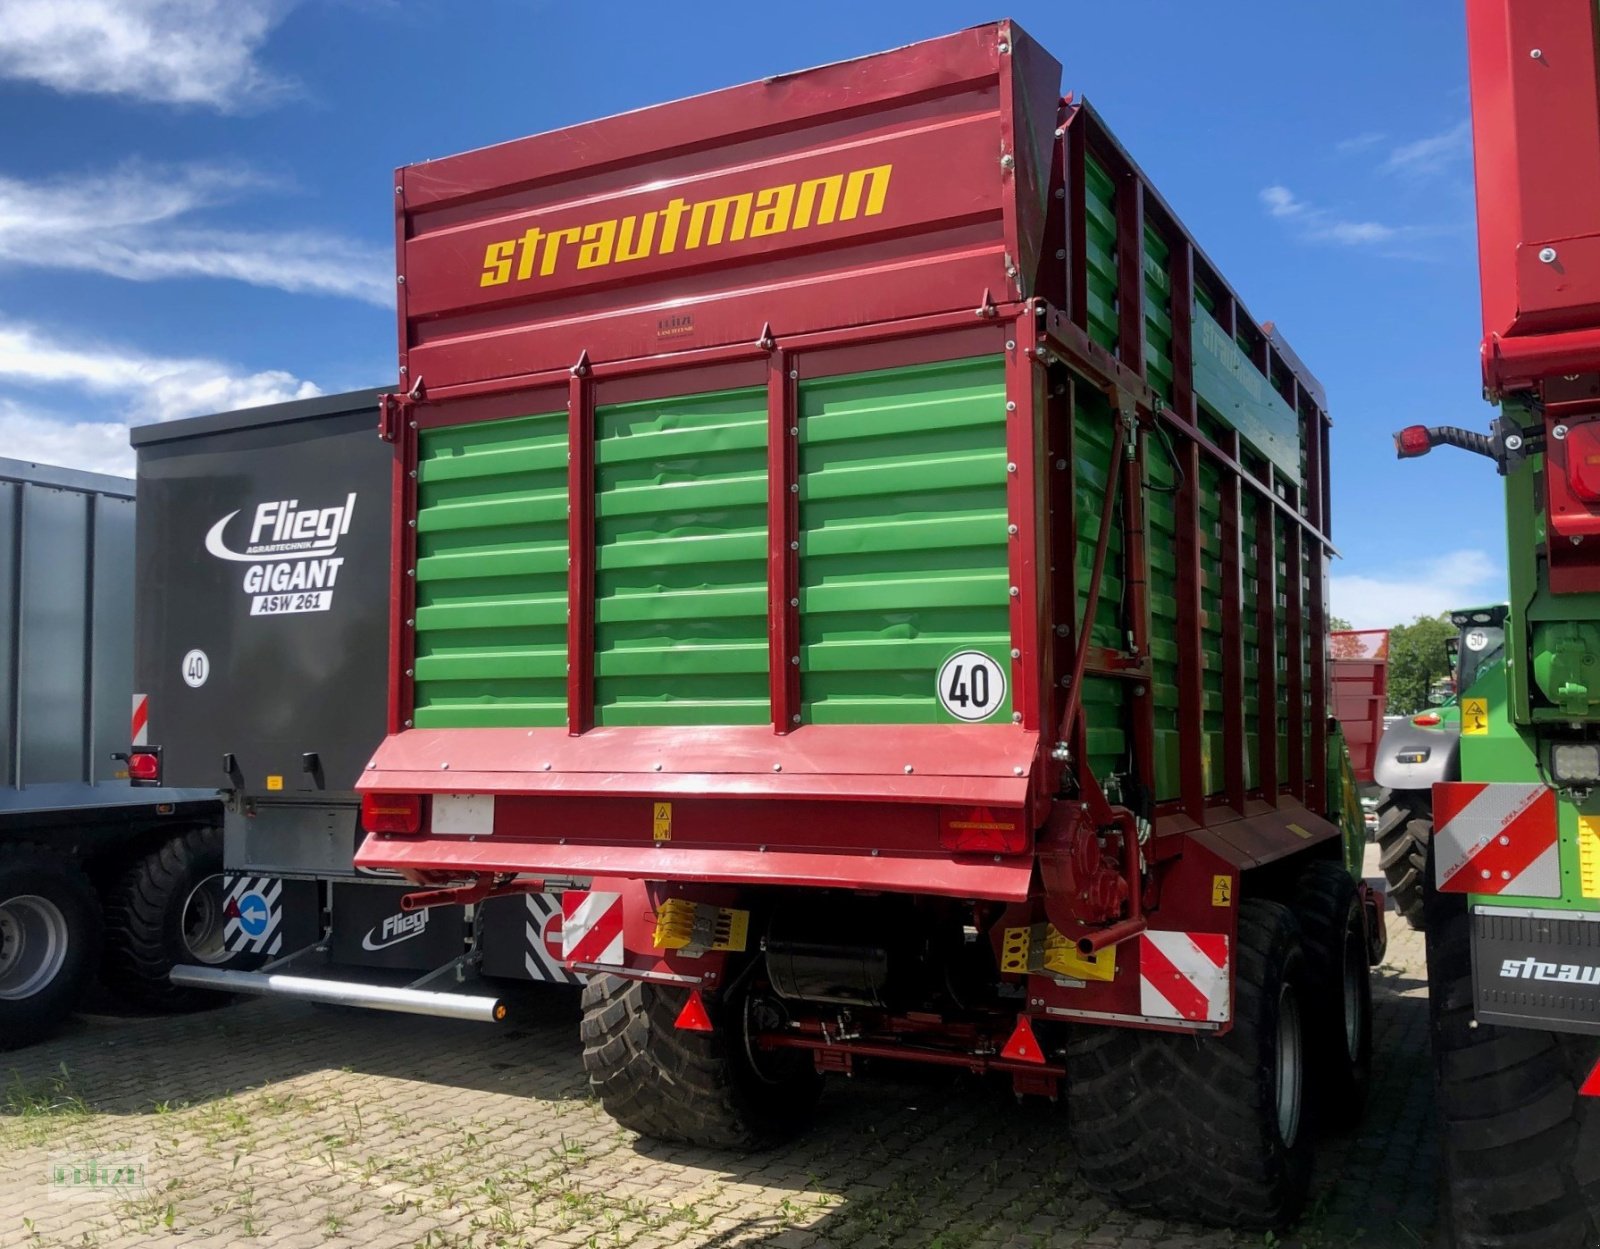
(1023, 1045)
(693, 1017)
(1591, 1086)
(231, 911)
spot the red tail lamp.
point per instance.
(1427, 719)
(391, 813)
(1413, 440)
(144, 765)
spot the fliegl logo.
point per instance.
(681, 225)
(394, 930)
(292, 552)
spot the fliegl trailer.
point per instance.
(848, 522)
(260, 657)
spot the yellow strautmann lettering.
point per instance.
(684, 225)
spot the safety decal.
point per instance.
(545, 952)
(141, 720)
(254, 915)
(591, 927)
(1496, 839)
(1475, 716)
(1184, 975)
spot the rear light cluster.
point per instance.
(391, 813)
(144, 765)
(981, 830)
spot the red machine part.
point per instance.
(1360, 692)
(1536, 135)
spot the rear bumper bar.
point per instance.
(467, 1007)
(996, 877)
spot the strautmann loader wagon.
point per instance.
(1512, 912)
(848, 523)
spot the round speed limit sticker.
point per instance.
(971, 686)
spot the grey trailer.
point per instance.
(262, 649)
(95, 874)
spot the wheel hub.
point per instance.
(1289, 1069)
(33, 945)
(1355, 957)
(205, 922)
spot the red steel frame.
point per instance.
(1536, 135)
(958, 277)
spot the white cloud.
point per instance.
(1433, 154)
(1426, 588)
(137, 222)
(47, 438)
(129, 387)
(1359, 142)
(1319, 225)
(196, 52)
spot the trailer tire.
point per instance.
(1519, 1144)
(700, 1088)
(1405, 826)
(166, 910)
(1207, 1128)
(49, 942)
(1333, 928)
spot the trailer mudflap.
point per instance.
(1536, 969)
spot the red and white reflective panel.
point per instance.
(141, 720)
(1184, 975)
(591, 927)
(1498, 838)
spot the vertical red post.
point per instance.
(1267, 640)
(397, 420)
(1060, 473)
(1025, 381)
(580, 551)
(783, 536)
(1234, 744)
(1077, 219)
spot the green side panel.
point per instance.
(492, 574)
(1100, 253)
(1250, 634)
(681, 561)
(1157, 314)
(903, 545)
(1212, 754)
(1161, 511)
(1105, 711)
(1225, 379)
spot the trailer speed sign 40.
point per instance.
(972, 686)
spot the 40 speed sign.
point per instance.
(971, 686)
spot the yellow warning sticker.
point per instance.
(1589, 855)
(274, 782)
(1303, 833)
(663, 821)
(1475, 715)
(1222, 891)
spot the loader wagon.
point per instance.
(847, 524)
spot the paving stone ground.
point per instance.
(279, 1124)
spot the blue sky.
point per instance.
(195, 210)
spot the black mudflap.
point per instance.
(1537, 969)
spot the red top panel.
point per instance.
(893, 186)
(1536, 134)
